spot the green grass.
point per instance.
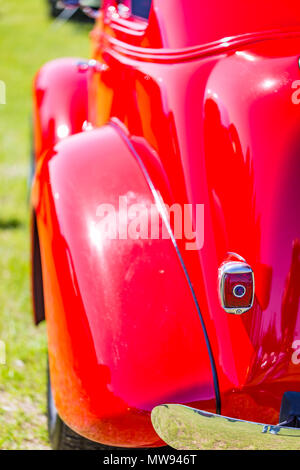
(28, 39)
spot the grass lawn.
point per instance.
(28, 38)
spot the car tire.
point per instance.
(54, 12)
(60, 435)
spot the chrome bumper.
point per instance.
(185, 428)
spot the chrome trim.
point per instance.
(237, 256)
(185, 428)
(124, 11)
(92, 64)
(234, 267)
(238, 286)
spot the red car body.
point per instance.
(195, 105)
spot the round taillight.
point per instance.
(239, 291)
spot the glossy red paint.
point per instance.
(211, 121)
(60, 105)
(107, 301)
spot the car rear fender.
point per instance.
(124, 330)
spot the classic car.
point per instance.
(165, 225)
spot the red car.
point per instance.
(165, 219)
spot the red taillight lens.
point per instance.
(236, 287)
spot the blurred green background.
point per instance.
(28, 38)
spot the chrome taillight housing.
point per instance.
(236, 287)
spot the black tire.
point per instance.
(54, 12)
(60, 435)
